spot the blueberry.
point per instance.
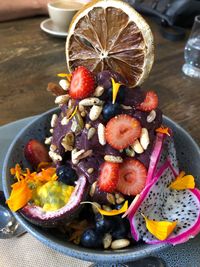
(110, 110)
(66, 174)
(103, 224)
(120, 95)
(91, 239)
(121, 228)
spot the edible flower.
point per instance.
(183, 182)
(115, 90)
(160, 229)
(73, 113)
(26, 181)
(65, 75)
(163, 130)
(111, 212)
(20, 195)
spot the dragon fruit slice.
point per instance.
(160, 203)
(163, 149)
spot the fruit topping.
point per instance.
(108, 177)
(66, 174)
(103, 224)
(111, 35)
(132, 177)
(122, 131)
(150, 102)
(91, 239)
(36, 152)
(82, 83)
(110, 110)
(120, 94)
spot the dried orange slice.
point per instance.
(110, 34)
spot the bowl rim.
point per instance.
(123, 255)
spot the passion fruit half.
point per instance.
(38, 216)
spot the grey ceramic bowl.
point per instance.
(189, 158)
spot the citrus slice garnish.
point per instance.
(111, 35)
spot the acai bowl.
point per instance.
(131, 157)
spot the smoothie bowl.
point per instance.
(105, 177)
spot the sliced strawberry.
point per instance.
(36, 152)
(82, 83)
(109, 175)
(150, 102)
(122, 131)
(132, 177)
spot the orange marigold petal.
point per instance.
(164, 130)
(20, 195)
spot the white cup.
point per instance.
(62, 11)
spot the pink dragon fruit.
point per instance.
(160, 203)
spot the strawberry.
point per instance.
(132, 177)
(150, 101)
(122, 130)
(82, 83)
(36, 152)
(109, 175)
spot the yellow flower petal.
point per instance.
(183, 182)
(160, 229)
(73, 113)
(114, 212)
(109, 213)
(65, 75)
(115, 90)
(163, 130)
(20, 195)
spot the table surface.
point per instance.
(29, 59)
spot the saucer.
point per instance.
(48, 27)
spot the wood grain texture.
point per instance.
(29, 59)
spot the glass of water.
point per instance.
(192, 51)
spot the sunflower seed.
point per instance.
(48, 140)
(53, 147)
(91, 132)
(110, 198)
(64, 84)
(151, 117)
(120, 200)
(81, 108)
(126, 107)
(64, 121)
(71, 103)
(130, 152)
(68, 142)
(90, 101)
(51, 130)
(62, 99)
(115, 159)
(98, 91)
(101, 134)
(95, 112)
(87, 126)
(137, 147)
(107, 208)
(90, 170)
(144, 138)
(93, 188)
(54, 156)
(83, 114)
(53, 120)
(120, 243)
(107, 240)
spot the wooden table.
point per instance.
(29, 59)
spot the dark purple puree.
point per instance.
(133, 97)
